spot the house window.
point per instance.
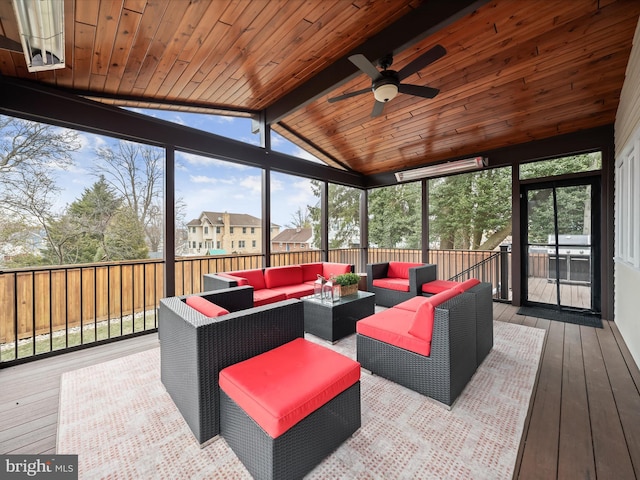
(244, 229)
(253, 243)
(627, 202)
(193, 229)
(218, 245)
(253, 230)
(206, 229)
(231, 243)
(217, 229)
(231, 230)
(240, 243)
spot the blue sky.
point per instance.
(205, 183)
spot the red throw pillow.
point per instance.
(205, 307)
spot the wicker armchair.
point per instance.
(451, 363)
(194, 348)
(388, 297)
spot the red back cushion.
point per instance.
(336, 269)
(254, 277)
(422, 326)
(282, 276)
(401, 269)
(205, 307)
(467, 284)
(436, 286)
(310, 271)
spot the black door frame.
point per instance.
(594, 181)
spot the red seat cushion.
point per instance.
(399, 284)
(266, 296)
(392, 326)
(436, 286)
(284, 385)
(205, 307)
(295, 291)
(401, 269)
(412, 304)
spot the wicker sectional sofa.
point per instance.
(274, 284)
(427, 344)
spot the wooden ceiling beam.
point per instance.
(427, 18)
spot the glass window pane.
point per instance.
(561, 166)
(220, 194)
(295, 215)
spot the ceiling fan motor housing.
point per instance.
(385, 87)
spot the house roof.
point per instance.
(235, 219)
(513, 71)
(294, 235)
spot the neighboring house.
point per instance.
(219, 233)
(293, 240)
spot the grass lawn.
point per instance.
(77, 336)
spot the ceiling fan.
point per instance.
(385, 84)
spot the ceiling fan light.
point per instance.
(386, 92)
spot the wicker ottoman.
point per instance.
(282, 412)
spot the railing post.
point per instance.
(504, 271)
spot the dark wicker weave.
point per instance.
(211, 281)
(194, 348)
(484, 319)
(387, 297)
(451, 364)
(333, 321)
(297, 451)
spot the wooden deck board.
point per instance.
(582, 423)
(575, 453)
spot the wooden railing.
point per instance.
(45, 310)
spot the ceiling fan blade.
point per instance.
(377, 109)
(349, 95)
(418, 91)
(365, 65)
(422, 61)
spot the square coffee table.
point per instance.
(333, 321)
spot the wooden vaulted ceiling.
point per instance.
(515, 70)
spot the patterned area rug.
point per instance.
(121, 422)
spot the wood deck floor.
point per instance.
(583, 423)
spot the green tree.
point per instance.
(344, 216)
(134, 172)
(125, 238)
(395, 214)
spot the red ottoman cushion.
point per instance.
(282, 386)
